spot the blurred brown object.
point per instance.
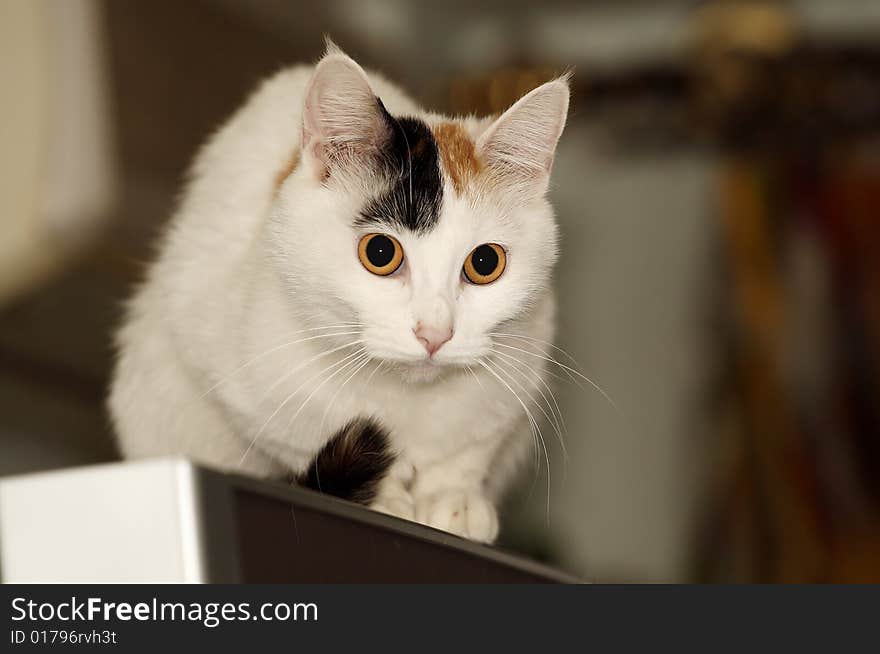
(737, 49)
(493, 93)
(765, 27)
(801, 502)
(796, 117)
(774, 465)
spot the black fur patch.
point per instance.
(352, 463)
(411, 163)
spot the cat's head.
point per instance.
(428, 233)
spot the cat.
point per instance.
(356, 294)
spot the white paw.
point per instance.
(399, 505)
(463, 513)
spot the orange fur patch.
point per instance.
(287, 171)
(457, 153)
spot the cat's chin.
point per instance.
(422, 372)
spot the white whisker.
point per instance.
(302, 406)
(574, 361)
(302, 365)
(540, 377)
(537, 430)
(291, 396)
(471, 370)
(377, 368)
(409, 161)
(366, 361)
(551, 417)
(228, 376)
(570, 371)
(537, 343)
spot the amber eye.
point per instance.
(485, 263)
(380, 254)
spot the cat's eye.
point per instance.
(485, 263)
(380, 254)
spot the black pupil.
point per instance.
(380, 251)
(484, 260)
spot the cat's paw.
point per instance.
(464, 513)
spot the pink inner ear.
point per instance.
(520, 145)
(342, 123)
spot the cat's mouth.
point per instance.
(423, 370)
(426, 367)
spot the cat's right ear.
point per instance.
(344, 123)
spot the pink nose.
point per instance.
(432, 338)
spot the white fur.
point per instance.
(206, 366)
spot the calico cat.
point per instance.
(354, 293)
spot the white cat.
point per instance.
(355, 293)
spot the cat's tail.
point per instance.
(352, 463)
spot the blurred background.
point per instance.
(718, 189)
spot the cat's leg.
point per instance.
(451, 495)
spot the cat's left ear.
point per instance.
(518, 148)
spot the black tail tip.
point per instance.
(352, 463)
